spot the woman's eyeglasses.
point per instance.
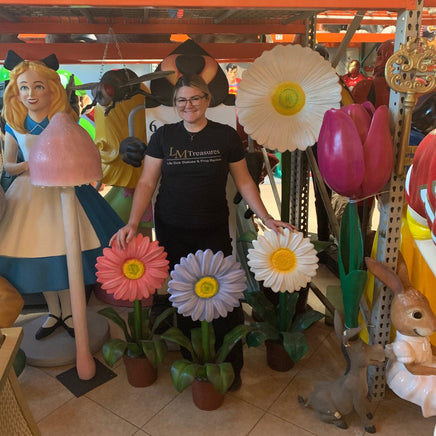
(195, 100)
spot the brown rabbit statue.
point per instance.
(411, 369)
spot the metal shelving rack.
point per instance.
(390, 202)
(391, 207)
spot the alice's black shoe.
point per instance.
(70, 330)
(43, 332)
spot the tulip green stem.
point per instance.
(137, 309)
(205, 335)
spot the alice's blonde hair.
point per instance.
(14, 111)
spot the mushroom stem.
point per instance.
(85, 363)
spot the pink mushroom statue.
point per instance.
(65, 156)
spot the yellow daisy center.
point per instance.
(207, 287)
(133, 269)
(288, 98)
(283, 260)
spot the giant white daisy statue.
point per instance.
(283, 96)
(285, 263)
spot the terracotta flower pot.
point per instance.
(140, 372)
(277, 357)
(205, 396)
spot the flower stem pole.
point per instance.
(285, 216)
(205, 335)
(137, 309)
(286, 185)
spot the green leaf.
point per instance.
(183, 373)
(162, 317)
(304, 320)
(111, 314)
(145, 328)
(197, 345)
(230, 340)
(264, 308)
(173, 334)
(353, 285)
(291, 299)
(134, 349)
(113, 350)
(262, 331)
(155, 351)
(295, 345)
(248, 236)
(350, 247)
(220, 375)
(320, 245)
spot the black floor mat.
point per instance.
(79, 387)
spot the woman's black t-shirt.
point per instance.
(195, 167)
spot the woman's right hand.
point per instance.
(124, 236)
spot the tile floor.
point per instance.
(265, 405)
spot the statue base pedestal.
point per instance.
(60, 348)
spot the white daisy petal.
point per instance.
(287, 272)
(298, 123)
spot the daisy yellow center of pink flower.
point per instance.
(283, 260)
(133, 269)
(206, 287)
(288, 98)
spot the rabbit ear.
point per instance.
(402, 271)
(385, 274)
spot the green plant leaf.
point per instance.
(290, 299)
(295, 345)
(304, 320)
(264, 308)
(134, 349)
(220, 375)
(247, 236)
(175, 335)
(262, 331)
(197, 345)
(183, 373)
(111, 314)
(113, 350)
(350, 247)
(352, 286)
(230, 340)
(145, 328)
(162, 317)
(155, 351)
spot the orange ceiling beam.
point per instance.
(150, 28)
(358, 38)
(230, 4)
(74, 53)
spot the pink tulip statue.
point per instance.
(355, 150)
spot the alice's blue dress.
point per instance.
(32, 241)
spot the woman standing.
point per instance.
(32, 245)
(193, 158)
